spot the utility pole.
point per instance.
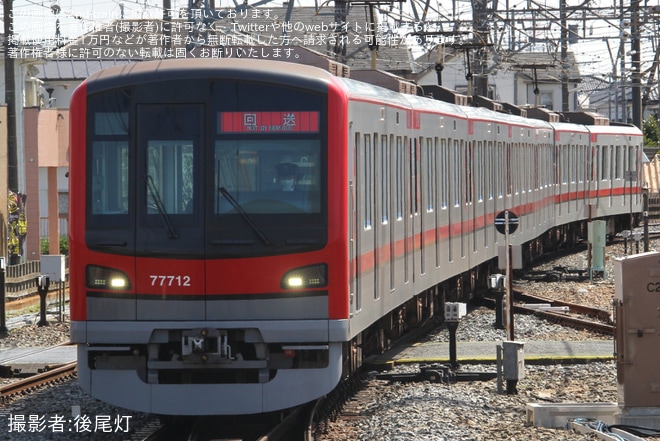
(564, 56)
(636, 73)
(10, 99)
(481, 28)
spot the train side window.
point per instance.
(444, 167)
(456, 161)
(469, 164)
(431, 188)
(481, 167)
(414, 176)
(498, 156)
(488, 168)
(385, 179)
(398, 170)
(367, 182)
(509, 165)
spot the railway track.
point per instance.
(569, 314)
(271, 427)
(566, 313)
(29, 384)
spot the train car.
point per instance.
(244, 232)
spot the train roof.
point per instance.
(367, 91)
(505, 118)
(602, 129)
(314, 78)
(247, 69)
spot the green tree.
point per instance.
(651, 132)
(64, 245)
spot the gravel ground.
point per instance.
(475, 410)
(417, 411)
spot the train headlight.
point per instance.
(99, 277)
(313, 276)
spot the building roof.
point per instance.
(548, 66)
(75, 68)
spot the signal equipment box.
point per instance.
(637, 338)
(454, 311)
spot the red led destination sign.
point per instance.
(268, 122)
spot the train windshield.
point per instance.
(268, 177)
(204, 176)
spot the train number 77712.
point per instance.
(157, 280)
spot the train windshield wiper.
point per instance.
(245, 216)
(171, 232)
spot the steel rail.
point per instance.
(37, 380)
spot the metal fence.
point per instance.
(654, 205)
(21, 279)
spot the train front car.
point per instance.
(208, 242)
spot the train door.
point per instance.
(169, 214)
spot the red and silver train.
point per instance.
(242, 231)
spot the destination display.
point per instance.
(268, 122)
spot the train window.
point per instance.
(385, 179)
(170, 135)
(398, 180)
(536, 169)
(586, 171)
(565, 161)
(510, 165)
(267, 176)
(469, 163)
(108, 159)
(531, 158)
(431, 188)
(457, 162)
(632, 154)
(480, 166)
(111, 123)
(498, 172)
(109, 177)
(489, 182)
(367, 183)
(170, 176)
(444, 167)
(414, 176)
